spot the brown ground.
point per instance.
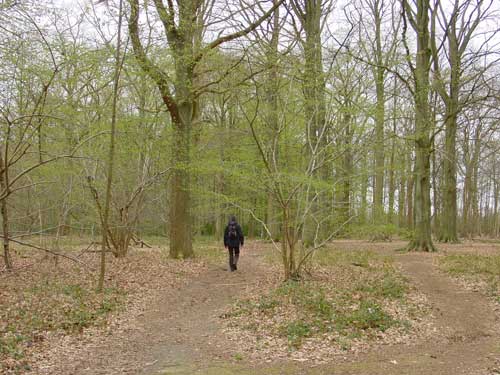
(180, 332)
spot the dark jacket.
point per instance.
(233, 242)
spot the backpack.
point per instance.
(232, 231)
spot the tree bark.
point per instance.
(180, 197)
(271, 89)
(379, 75)
(422, 240)
(392, 167)
(410, 188)
(449, 230)
(4, 186)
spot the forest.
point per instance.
(351, 139)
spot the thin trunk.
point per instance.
(402, 197)
(435, 183)
(475, 183)
(392, 167)
(451, 100)
(364, 191)
(111, 154)
(4, 186)
(410, 183)
(347, 165)
(272, 118)
(449, 231)
(219, 215)
(310, 15)
(496, 213)
(379, 74)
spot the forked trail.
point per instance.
(181, 332)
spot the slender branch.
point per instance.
(227, 38)
(46, 250)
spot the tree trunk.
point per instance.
(347, 165)
(288, 247)
(392, 167)
(272, 118)
(401, 201)
(496, 213)
(378, 191)
(180, 198)
(422, 240)
(364, 191)
(310, 15)
(422, 203)
(111, 155)
(219, 214)
(449, 231)
(410, 189)
(5, 213)
(435, 222)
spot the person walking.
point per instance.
(233, 239)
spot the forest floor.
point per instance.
(181, 327)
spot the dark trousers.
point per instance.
(234, 254)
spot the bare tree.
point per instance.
(451, 45)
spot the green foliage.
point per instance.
(296, 331)
(321, 311)
(351, 307)
(368, 315)
(238, 357)
(387, 286)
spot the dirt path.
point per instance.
(181, 327)
(181, 332)
(192, 331)
(469, 339)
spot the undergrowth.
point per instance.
(473, 266)
(52, 305)
(348, 300)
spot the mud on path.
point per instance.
(181, 332)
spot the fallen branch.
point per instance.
(76, 260)
(138, 241)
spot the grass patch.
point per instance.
(367, 315)
(472, 264)
(484, 267)
(311, 309)
(388, 285)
